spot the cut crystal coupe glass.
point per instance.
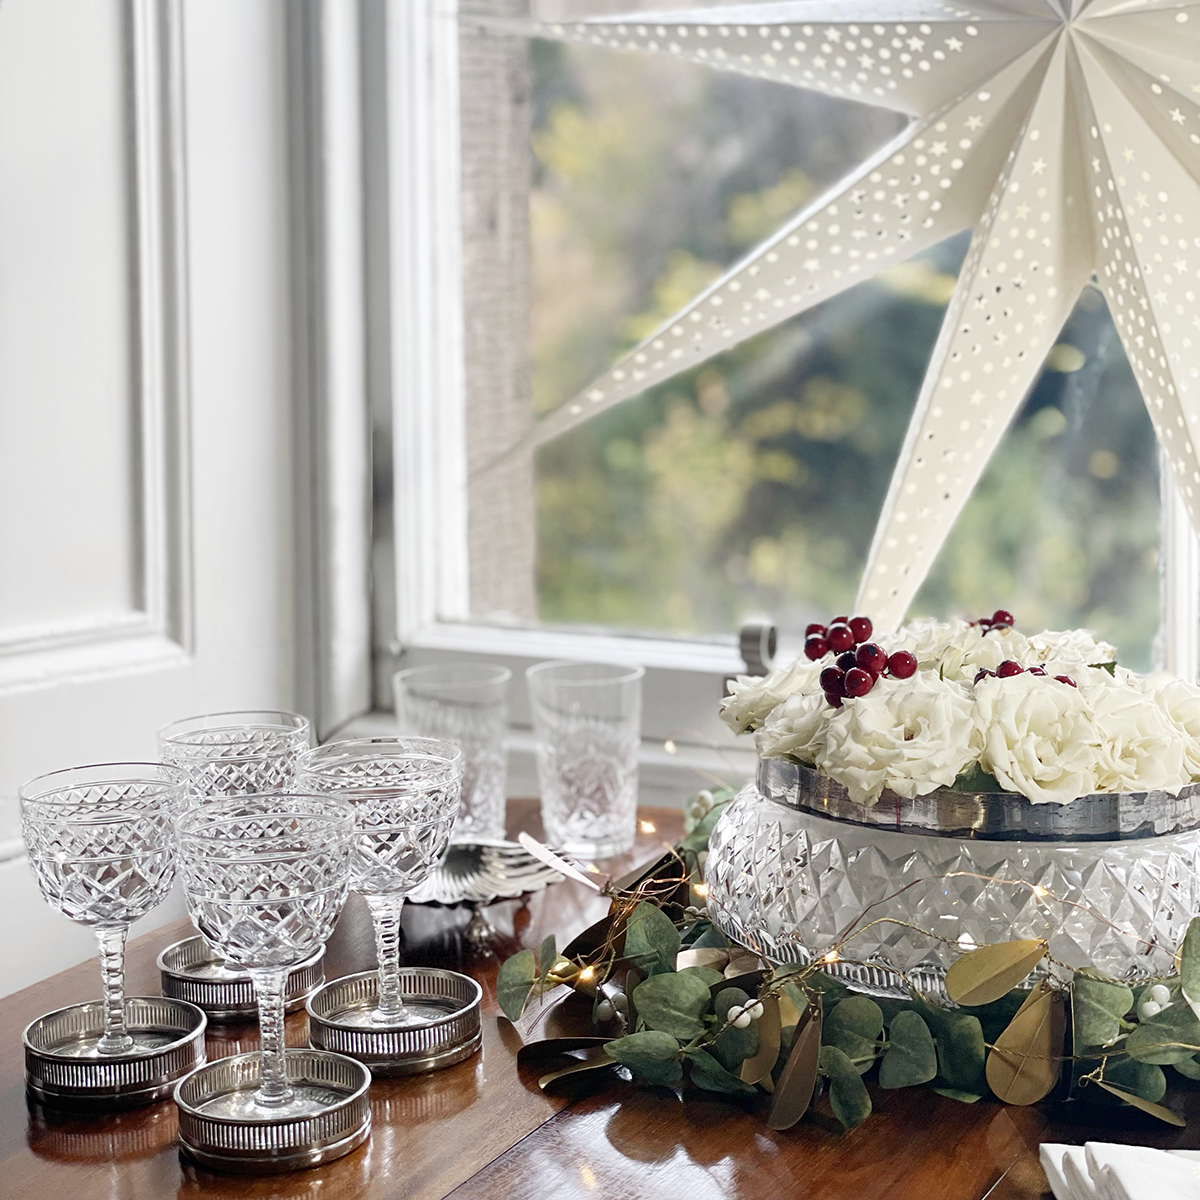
(236, 753)
(265, 878)
(102, 849)
(405, 794)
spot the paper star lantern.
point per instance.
(1065, 133)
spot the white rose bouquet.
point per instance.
(1051, 716)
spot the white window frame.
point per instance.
(408, 89)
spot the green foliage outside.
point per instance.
(752, 484)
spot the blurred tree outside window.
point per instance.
(752, 484)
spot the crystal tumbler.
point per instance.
(464, 703)
(404, 793)
(265, 878)
(236, 753)
(587, 723)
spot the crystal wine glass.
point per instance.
(265, 878)
(102, 849)
(405, 794)
(236, 753)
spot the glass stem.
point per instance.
(385, 912)
(116, 1039)
(269, 985)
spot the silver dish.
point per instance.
(192, 971)
(171, 1037)
(483, 872)
(284, 1144)
(450, 1030)
(988, 816)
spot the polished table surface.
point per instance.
(484, 1129)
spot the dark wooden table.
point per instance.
(484, 1129)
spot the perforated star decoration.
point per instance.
(1065, 133)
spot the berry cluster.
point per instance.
(1011, 667)
(860, 662)
(1000, 619)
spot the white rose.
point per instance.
(1038, 737)
(926, 639)
(1141, 748)
(1070, 647)
(974, 650)
(797, 727)
(1180, 701)
(910, 735)
(752, 697)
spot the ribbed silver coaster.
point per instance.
(282, 1143)
(448, 1032)
(171, 1033)
(191, 971)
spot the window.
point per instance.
(569, 198)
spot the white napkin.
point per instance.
(1107, 1171)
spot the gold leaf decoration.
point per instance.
(757, 1067)
(986, 974)
(1147, 1106)
(794, 1091)
(1024, 1064)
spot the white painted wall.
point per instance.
(147, 525)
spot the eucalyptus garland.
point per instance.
(657, 990)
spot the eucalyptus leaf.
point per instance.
(1189, 1068)
(989, 972)
(515, 981)
(1143, 1079)
(709, 974)
(976, 779)
(673, 1003)
(711, 937)
(652, 1056)
(734, 1046)
(1097, 1007)
(707, 1073)
(911, 1056)
(1189, 965)
(651, 939)
(847, 1093)
(854, 1026)
(698, 838)
(958, 1094)
(832, 990)
(960, 1047)
(1171, 1036)
(1110, 667)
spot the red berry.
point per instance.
(871, 657)
(1067, 680)
(1037, 670)
(862, 628)
(831, 680)
(1001, 617)
(902, 664)
(1008, 668)
(840, 621)
(817, 628)
(847, 659)
(815, 646)
(840, 637)
(858, 682)
(984, 673)
(833, 699)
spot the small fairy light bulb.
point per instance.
(647, 827)
(701, 890)
(670, 747)
(831, 957)
(1040, 892)
(587, 974)
(1160, 994)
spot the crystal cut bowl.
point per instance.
(1110, 881)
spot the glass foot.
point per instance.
(306, 1100)
(418, 1011)
(144, 1041)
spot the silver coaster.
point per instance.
(61, 1073)
(446, 1002)
(192, 971)
(229, 1143)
